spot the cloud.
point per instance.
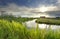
(17, 10)
(30, 11)
(58, 1)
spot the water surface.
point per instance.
(33, 24)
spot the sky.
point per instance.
(31, 8)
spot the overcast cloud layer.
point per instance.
(31, 8)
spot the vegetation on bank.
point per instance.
(12, 28)
(51, 21)
(17, 19)
(15, 30)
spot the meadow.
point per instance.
(10, 28)
(50, 21)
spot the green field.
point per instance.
(13, 29)
(51, 21)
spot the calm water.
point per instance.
(33, 24)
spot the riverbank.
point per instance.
(15, 30)
(50, 21)
(11, 28)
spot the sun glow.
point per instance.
(47, 8)
(43, 9)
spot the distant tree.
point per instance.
(57, 17)
(2, 13)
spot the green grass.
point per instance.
(15, 30)
(50, 21)
(11, 28)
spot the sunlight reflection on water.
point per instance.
(33, 24)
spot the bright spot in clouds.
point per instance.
(47, 8)
(43, 9)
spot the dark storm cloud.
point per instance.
(28, 3)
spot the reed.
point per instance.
(16, 30)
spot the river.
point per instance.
(33, 24)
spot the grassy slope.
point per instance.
(15, 30)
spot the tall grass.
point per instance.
(15, 30)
